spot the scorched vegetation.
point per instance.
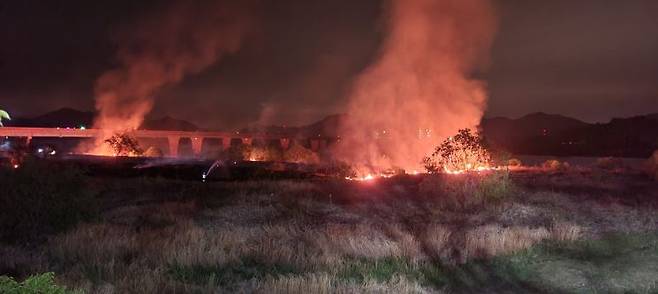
(534, 230)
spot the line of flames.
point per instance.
(372, 177)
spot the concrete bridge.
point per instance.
(173, 137)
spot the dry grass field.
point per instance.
(571, 230)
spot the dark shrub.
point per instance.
(610, 163)
(652, 165)
(250, 152)
(238, 152)
(553, 164)
(463, 152)
(124, 145)
(299, 154)
(40, 198)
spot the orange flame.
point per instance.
(371, 177)
(421, 88)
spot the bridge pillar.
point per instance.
(315, 145)
(247, 141)
(173, 145)
(197, 145)
(285, 143)
(226, 143)
(28, 141)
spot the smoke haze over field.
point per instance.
(420, 90)
(161, 49)
(298, 62)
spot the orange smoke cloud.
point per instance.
(420, 89)
(160, 50)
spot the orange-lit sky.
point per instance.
(589, 59)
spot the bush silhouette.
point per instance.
(463, 152)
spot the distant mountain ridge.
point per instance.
(533, 134)
(549, 134)
(327, 127)
(71, 118)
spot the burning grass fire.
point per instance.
(420, 88)
(463, 153)
(371, 177)
(368, 177)
(348, 156)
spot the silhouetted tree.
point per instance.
(124, 145)
(463, 152)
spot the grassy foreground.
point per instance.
(540, 231)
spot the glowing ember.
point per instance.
(467, 161)
(367, 178)
(462, 171)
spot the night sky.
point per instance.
(589, 59)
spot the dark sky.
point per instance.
(589, 59)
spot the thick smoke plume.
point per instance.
(420, 90)
(161, 49)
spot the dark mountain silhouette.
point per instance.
(529, 132)
(534, 124)
(62, 118)
(533, 134)
(71, 118)
(635, 136)
(328, 127)
(550, 134)
(546, 134)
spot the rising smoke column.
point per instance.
(420, 90)
(160, 49)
